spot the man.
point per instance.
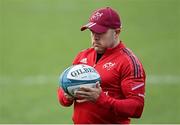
(121, 93)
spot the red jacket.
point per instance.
(123, 85)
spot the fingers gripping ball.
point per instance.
(78, 75)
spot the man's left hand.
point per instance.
(88, 94)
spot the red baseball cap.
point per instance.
(103, 19)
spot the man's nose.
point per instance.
(96, 36)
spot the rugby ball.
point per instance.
(78, 75)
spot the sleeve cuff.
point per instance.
(62, 99)
(103, 100)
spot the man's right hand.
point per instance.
(69, 97)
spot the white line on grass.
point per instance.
(46, 79)
(163, 79)
(39, 79)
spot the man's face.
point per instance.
(102, 41)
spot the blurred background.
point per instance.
(40, 38)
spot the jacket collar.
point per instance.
(116, 48)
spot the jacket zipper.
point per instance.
(98, 60)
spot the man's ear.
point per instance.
(117, 32)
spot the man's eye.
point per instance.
(99, 33)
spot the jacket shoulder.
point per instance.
(82, 54)
(132, 63)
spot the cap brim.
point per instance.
(94, 27)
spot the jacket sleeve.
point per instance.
(133, 89)
(62, 99)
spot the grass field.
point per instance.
(39, 39)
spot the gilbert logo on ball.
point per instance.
(78, 75)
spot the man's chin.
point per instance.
(99, 50)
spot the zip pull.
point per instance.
(94, 65)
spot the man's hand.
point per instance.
(70, 98)
(88, 94)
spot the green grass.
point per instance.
(161, 104)
(39, 39)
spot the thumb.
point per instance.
(98, 85)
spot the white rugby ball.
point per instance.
(78, 75)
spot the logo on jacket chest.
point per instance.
(108, 66)
(84, 60)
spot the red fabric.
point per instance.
(62, 99)
(123, 85)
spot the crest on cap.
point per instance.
(96, 16)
